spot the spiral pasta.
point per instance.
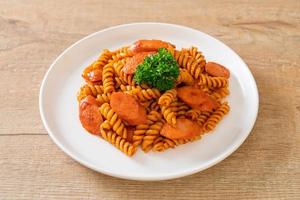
(125, 88)
(193, 114)
(116, 140)
(194, 67)
(220, 93)
(89, 89)
(140, 131)
(168, 97)
(154, 106)
(121, 53)
(146, 94)
(179, 108)
(185, 77)
(107, 77)
(202, 118)
(162, 143)
(103, 98)
(151, 134)
(157, 116)
(113, 119)
(197, 55)
(216, 116)
(98, 64)
(169, 115)
(118, 66)
(213, 82)
(127, 78)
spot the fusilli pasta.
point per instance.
(113, 119)
(215, 117)
(158, 114)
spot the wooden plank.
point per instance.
(34, 168)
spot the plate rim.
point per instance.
(213, 162)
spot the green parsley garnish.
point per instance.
(159, 70)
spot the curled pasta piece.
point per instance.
(179, 108)
(162, 143)
(153, 106)
(197, 55)
(193, 114)
(194, 67)
(127, 78)
(89, 89)
(140, 130)
(107, 77)
(151, 134)
(121, 53)
(205, 89)
(146, 104)
(113, 119)
(168, 97)
(103, 98)
(169, 115)
(116, 140)
(98, 64)
(146, 94)
(118, 66)
(139, 133)
(202, 118)
(103, 59)
(119, 82)
(216, 116)
(213, 82)
(220, 93)
(185, 77)
(129, 87)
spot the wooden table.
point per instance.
(265, 33)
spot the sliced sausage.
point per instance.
(128, 108)
(184, 129)
(89, 115)
(196, 98)
(132, 63)
(149, 45)
(215, 69)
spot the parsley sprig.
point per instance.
(159, 70)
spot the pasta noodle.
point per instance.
(116, 140)
(162, 144)
(108, 82)
(216, 116)
(169, 115)
(113, 119)
(151, 134)
(202, 118)
(103, 98)
(213, 82)
(146, 94)
(98, 64)
(168, 97)
(185, 61)
(157, 110)
(121, 53)
(185, 77)
(193, 114)
(220, 93)
(140, 131)
(197, 55)
(89, 89)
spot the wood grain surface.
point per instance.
(265, 33)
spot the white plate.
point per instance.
(59, 108)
